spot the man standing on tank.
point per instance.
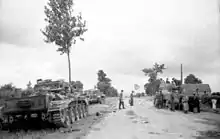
(121, 100)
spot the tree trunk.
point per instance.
(69, 66)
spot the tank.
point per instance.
(95, 96)
(52, 103)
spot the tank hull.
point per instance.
(60, 113)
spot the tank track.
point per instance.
(66, 117)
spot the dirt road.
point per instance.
(143, 121)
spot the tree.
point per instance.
(153, 72)
(192, 79)
(111, 91)
(29, 85)
(63, 27)
(7, 90)
(104, 83)
(78, 85)
(153, 83)
(28, 91)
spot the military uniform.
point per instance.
(131, 99)
(121, 101)
(196, 102)
(185, 104)
(172, 104)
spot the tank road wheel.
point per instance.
(11, 119)
(43, 117)
(80, 110)
(86, 110)
(83, 111)
(64, 117)
(75, 112)
(72, 115)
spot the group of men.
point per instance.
(121, 99)
(182, 102)
(185, 102)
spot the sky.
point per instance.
(124, 36)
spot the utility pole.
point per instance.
(181, 74)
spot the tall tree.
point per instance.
(103, 82)
(63, 27)
(192, 79)
(153, 83)
(153, 72)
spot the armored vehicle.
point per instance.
(95, 96)
(51, 103)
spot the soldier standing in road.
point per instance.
(196, 100)
(172, 104)
(185, 104)
(132, 99)
(121, 101)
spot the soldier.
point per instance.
(214, 101)
(204, 97)
(185, 104)
(132, 99)
(121, 101)
(159, 99)
(172, 104)
(197, 100)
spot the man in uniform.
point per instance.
(196, 100)
(131, 101)
(185, 104)
(204, 98)
(121, 101)
(172, 104)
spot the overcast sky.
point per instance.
(124, 37)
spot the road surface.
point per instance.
(143, 121)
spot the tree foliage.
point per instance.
(192, 79)
(77, 85)
(153, 83)
(104, 84)
(28, 91)
(153, 72)
(9, 90)
(63, 26)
